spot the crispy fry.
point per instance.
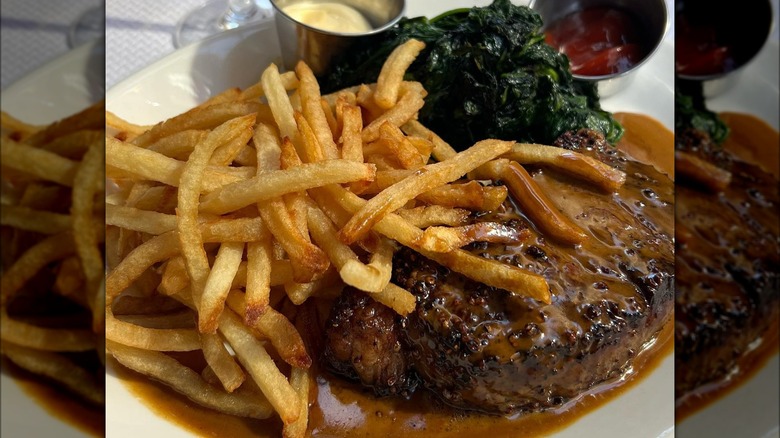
(412, 94)
(189, 234)
(38, 162)
(276, 327)
(198, 118)
(426, 216)
(313, 111)
(218, 285)
(229, 373)
(396, 298)
(351, 140)
(29, 219)
(299, 379)
(539, 207)
(430, 176)
(186, 381)
(57, 368)
(579, 165)
(261, 367)
(279, 102)
(446, 239)
(272, 184)
(441, 150)
(130, 218)
(694, 168)
(393, 70)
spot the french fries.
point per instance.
(51, 289)
(246, 207)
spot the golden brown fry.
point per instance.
(400, 147)
(217, 286)
(311, 149)
(273, 184)
(313, 111)
(354, 273)
(351, 140)
(430, 176)
(258, 278)
(490, 272)
(430, 215)
(38, 162)
(260, 366)
(138, 163)
(198, 118)
(121, 125)
(539, 207)
(277, 328)
(186, 381)
(229, 373)
(88, 181)
(299, 379)
(571, 162)
(281, 108)
(446, 239)
(288, 79)
(42, 338)
(392, 74)
(396, 298)
(28, 219)
(74, 145)
(57, 368)
(130, 218)
(694, 168)
(441, 150)
(412, 94)
(51, 249)
(189, 234)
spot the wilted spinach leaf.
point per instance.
(690, 112)
(488, 73)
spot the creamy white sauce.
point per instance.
(330, 16)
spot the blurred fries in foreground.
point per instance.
(52, 314)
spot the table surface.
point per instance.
(138, 32)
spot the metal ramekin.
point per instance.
(319, 47)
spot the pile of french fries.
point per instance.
(52, 249)
(223, 220)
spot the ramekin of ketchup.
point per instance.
(599, 40)
(714, 38)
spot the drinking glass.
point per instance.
(219, 15)
(90, 26)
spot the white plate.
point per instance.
(237, 58)
(753, 409)
(63, 87)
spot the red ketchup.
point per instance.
(598, 41)
(698, 51)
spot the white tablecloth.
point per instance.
(35, 32)
(139, 32)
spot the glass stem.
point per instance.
(238, 12)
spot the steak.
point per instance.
(486, 349)
(727, 267)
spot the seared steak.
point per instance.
(485, 349)
(727, 267)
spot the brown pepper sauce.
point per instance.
(754, 141)
(340, 408)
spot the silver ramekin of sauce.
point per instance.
(317, 31)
